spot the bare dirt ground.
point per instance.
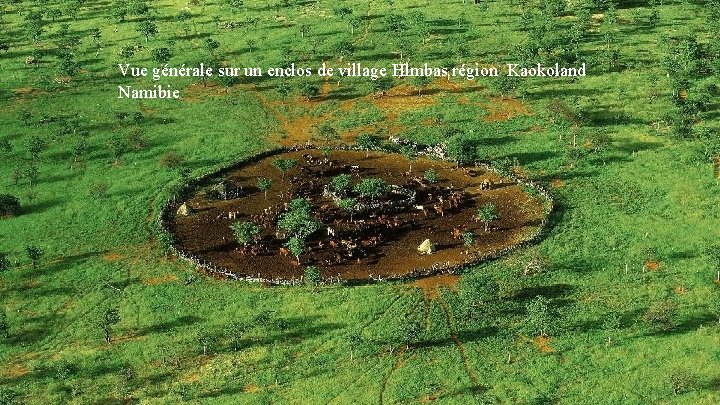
(206, 233)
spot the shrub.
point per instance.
(372, 188)
(4, 326)
(431, 176)
(487, 213)
(341, 183)
(34, 253)
(297, 222)
(171, 160)
(661, 316)
(9, 205)
(245, 232)
(4, 263)
(284, 165)
(468, 238)
(681, 382)
(368, 142)
(312, 275)
(264, 184)
(99, 189)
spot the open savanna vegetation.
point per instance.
(619, 302)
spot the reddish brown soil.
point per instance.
(543, 344)
(206, 232)
(169, 278)
(431, 286)
(652, 265)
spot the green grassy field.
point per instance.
(629, 303)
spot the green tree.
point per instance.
(211, 45)
(354, 341)
(110, 318)
(368, 142)
(410, 154)
(171, 159)
(715, 304)
(538, 318)
(373, 188)
(460, 149)
(355, 22)
(312, 275)
(342, 12)
(235, 332)
(468, 238)
(127, 52)
(344, 48)
(348, 205)
(341, 183)
(487, 214)
(235, 5)
(68, 65)
(4, 325)
(161, 55)
(420, 82)
(284, 165)
(304, 30)
(118, 146)
(297, 221)
(431, 176)
(296, 246)
(147, 29)
(264, 184)
(309, 91)
(9, 205)
(326, 133)
(34, 253)
(245, 232)
(36, 145)
(662, 316)
(4, 263)
(205, 339)
(119, 11)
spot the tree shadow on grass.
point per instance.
(689, 324)
(68, 262)
(40, 206)
(168, 326)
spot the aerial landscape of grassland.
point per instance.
(618, 301)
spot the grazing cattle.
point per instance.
(284, 251)
(422, 208)
(454, 199)
(439, 210)
(330, 232)
(486, 184)
(457, 233)
(396, 222)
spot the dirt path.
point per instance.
(366, 32)
(398, 363)
(461, 348)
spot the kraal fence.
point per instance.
(178, 194)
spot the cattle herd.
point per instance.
(345, 238)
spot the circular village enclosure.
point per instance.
(354, 215)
